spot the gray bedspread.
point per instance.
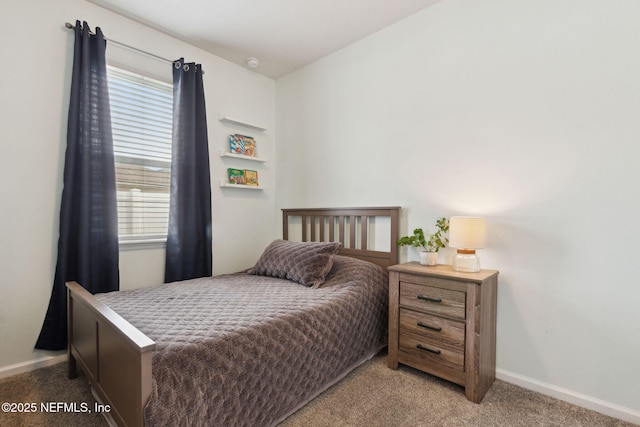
(245, 350)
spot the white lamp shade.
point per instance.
(467, 232)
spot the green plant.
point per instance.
(436, 240)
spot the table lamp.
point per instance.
(467, 234)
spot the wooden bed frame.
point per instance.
(116, 357)
(349, 226)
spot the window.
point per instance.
(141, 119)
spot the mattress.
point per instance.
(247, 350)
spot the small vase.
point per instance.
(428, 258)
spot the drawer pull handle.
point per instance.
(433, 328)
(430, 350)
(431, 299)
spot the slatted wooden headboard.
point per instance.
(349, 226)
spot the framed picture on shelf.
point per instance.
(236, 176)
(242, 144)
(250, 177)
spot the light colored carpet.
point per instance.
(372, 395)
(47, 385)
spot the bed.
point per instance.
(248, 348)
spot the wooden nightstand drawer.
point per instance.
(442, 330)
(431, 351)
(430, 299)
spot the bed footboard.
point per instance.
(112, 353)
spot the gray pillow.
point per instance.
(304, 262)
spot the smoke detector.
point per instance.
(252, 62)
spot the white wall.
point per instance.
(525, 112)
(34, 93)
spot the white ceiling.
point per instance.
(283, 34)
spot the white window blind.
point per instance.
(141, 119)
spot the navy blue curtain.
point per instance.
(188, 253)
(88, 241)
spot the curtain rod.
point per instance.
(144, 52)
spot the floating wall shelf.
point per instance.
(235, 121)
(226, 184)
(241, 156)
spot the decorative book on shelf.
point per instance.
(243, 177)
(242, 144)
(250, 177)
(236, 176)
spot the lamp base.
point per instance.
(466, 261)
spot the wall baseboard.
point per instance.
(31, 365)
(588, 402)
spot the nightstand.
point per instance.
(443, 322)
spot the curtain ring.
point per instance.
(186, 67)
(177, 64)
